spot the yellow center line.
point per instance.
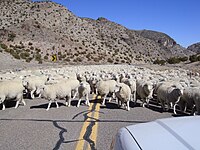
(80, 144)
(93, 136)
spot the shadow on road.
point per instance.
(53, 105)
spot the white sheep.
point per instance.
(63, 89)
(189, 100)
(123, 94)
(106, 87)
(10, 90)
(144, 90)
(93, 84)
(34, 84)
(132, 84)
(84, 90)
(168, 94)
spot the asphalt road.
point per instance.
(31, 127)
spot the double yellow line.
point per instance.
(93, 136)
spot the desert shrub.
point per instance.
(173, 60)
(160, 62)
(11, 37)
(122, 61)
(16, 56)
(67, 59)
(59, 53)
(38, 50)
(29, 59)
(40, 61)
(110, 60)
(183, 59)
(29, 43)
(38, 57)
(3, 46)
(46, 57)
(24, 55)
(193, 58)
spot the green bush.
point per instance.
(4, 46)
(173, 60)
(29, 59)
(46, 57)
(16, 56)
(24, 55)
(194, 58)
(183, 59)
(160, 62)
(38, 57)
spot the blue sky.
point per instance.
(180, 19)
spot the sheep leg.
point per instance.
(128, 108)
(143, 103)
(110, 98)
(57, 106)
(175, 109)
(168, 106)
(49, 105)
(75, 93)
(147, 102)
(118, 102)
(87, 100)
(104, 100)
(32, 94)
(17, 104)
(23, 102)
(69, 102)
(163, 105)
(79, 101)
(4, 107)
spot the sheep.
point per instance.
(84, 90)
(93, 84)
(34, 84)
(63, 89)
(190, 98)
(132, 84)
(123, 94)
(106, 87)
(73, 84)
(144, 90)
(10, 90)
(168, 94)
(58, 90)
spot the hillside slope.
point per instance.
(37, 30)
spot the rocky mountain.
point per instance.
(195, 48)
(38, 30)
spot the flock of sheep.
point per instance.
(171, 89)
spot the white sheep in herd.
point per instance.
(10, 90)
(144, 90)
(84, 90)
(167, 94)
(123, 95)
(34, 84)
(189, 100)
(61, 90)
(106, 87)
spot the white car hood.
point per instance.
(181, 133)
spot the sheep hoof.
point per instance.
(103, 105)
